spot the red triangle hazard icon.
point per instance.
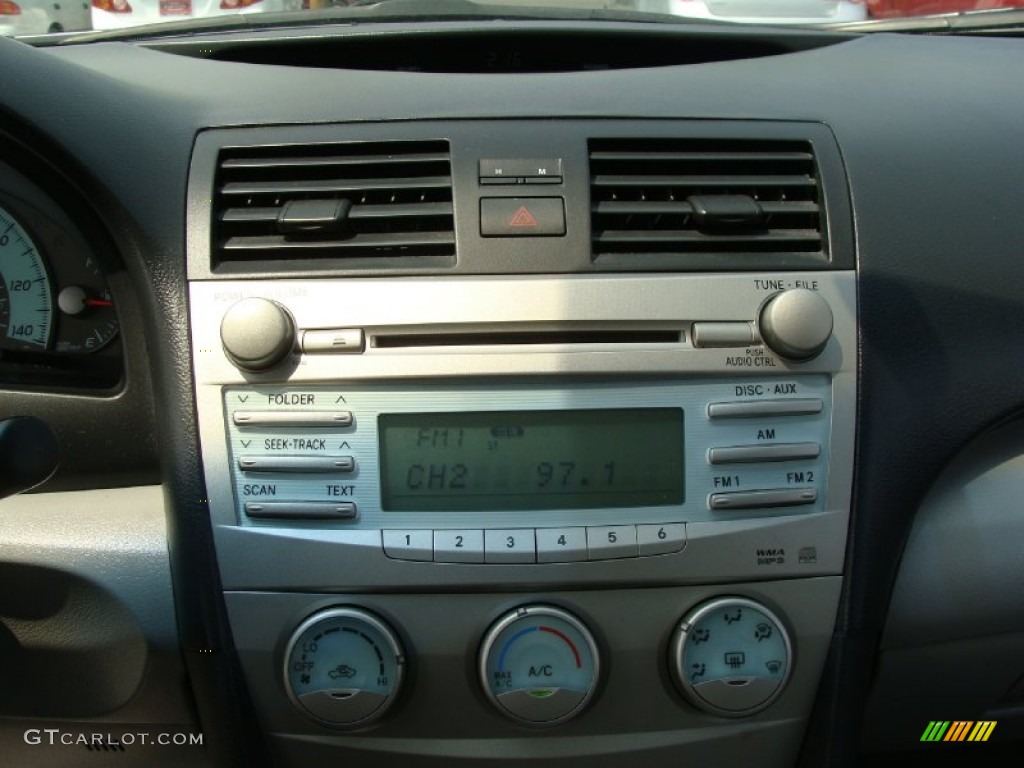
(522, 218)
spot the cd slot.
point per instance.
(563, 337)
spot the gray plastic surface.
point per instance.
(87, 625)
(965, 549)
(443, 717)
(952, 645)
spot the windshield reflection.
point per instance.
(40, 17)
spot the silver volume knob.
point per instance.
(796, 324)
(257, 334)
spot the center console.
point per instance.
(514, 512)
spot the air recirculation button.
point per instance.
(539, 665)
(344, 667)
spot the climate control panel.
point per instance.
(538, 664)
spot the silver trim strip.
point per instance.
(740, 454)
(779, 497)
(292, 419)
(754, 409)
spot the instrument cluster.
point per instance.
(59, 325)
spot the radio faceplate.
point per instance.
(766, 446)
(527, 454)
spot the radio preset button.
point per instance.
(409, 545)
(608, 542)
(292, 418)
(514, 545)
(460, 546)
(301, 510)
(750, 409)
(779, 497)
(297, 464)
(561, 545)
(740, 454)
(660, 539)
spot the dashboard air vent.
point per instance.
(697, 198)
(352, 201)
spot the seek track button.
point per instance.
(522, 217)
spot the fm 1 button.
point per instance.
(522, 217)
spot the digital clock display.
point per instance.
(531, 460)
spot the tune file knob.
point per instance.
(796, 324)
(257, 334)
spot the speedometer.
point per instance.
(26, 306)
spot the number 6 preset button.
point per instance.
(461, 546)
(514, 545)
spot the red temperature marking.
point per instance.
(567, 642)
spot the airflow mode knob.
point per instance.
(796, 324)
(257, 334)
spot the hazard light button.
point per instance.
(522, 217)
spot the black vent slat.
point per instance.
(357, 212)
(361, 203)
(339, 160)
(703, 181)
(657, 207)
(333, 185)
(698, 199)
(411, 209)
(689, 236)
(704, 157)
(394, 240)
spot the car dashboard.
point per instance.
(523, 390)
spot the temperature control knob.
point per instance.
(730, 656)
(796, 324)
(257, 334)
(539, 665)
(343, 667)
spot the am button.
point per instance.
(522, 217)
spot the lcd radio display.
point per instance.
(531, 460)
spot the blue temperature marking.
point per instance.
(508, 644)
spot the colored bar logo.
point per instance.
(958, 730)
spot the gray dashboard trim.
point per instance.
(95, 566)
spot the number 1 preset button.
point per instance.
(561, 545)
(461, 546)
(409, 545)
(514, 545)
